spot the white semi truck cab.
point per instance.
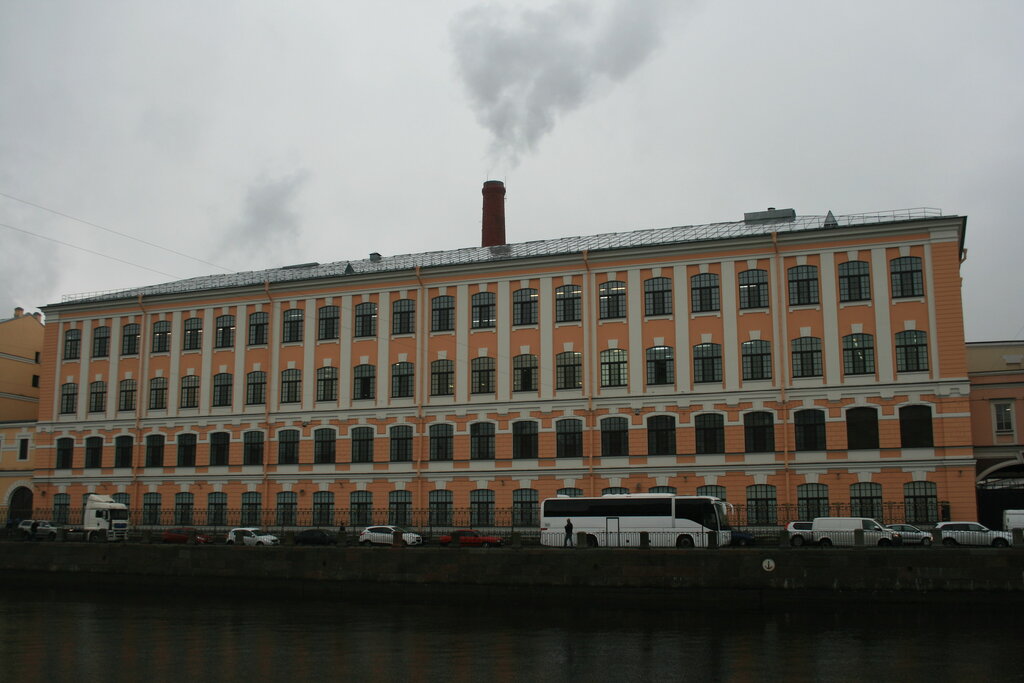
(105, 520)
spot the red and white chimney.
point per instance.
(493, 233)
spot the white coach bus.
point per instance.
(616, 520)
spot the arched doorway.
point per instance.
(21, 504)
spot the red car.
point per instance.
(470, 538)
(183, 536)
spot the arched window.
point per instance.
(291, 325)
(192, 339)
(757, 359)
(222, 389)
(364, 381)
(402, 380)
(614, 368)
(360, 508)
(189, 392)
(291, 386)
(155, 450)
(614, 436)
(524, 307)
(224, 337)
(68, 398)
(525, 507)
(759, 432)
(569, 370)
(704, 293)
(481, 441)
(658, 296)
(671, 490)
(484, 315)
(812, 501)
(400, 508)
(186, 449)
(158, 393)
(524, 372)
(803, 285)
(661, 435)
(524, 439)
(442, 378)
(911, 351)
(123, 449)
(93, 452)
(806, 357)
(161, 337)
(252, 508)
(403, 316)
(569, 438)
(220, 447)
(327, 384)
(481, 507)
(907, 277)
(72, 344)
(861, 429)
(130, 339)
(258, 324)
(858, 354)
(866, 500)
(761, 504)
(753, 289)
(328, 323)
(916, 427)
(854, 281)
(323, 508)
(366, 320)
(97, 397)
(362, 444)
(287, 502)
(440, 507)
(288, 447)
(441, 436)
(710, 433)
(707, 363)
(712, 490)
(126, 395)
(810, 430)
(442, 314)
(252, 448)
(65, 453)
(101, 342)
(567, 304)
(612, 299)
(401, 443)
(324, 446)
(482, 375)
(660, 365)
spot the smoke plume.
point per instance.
(523, 70)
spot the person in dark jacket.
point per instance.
(568, 534)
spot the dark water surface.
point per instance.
(63, 637)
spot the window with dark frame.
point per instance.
(327, 383)
(155, 450)
(291, 386)
(401, 443)
(360, 504)
(614, 437)
(220, 446)
(704, 293)
(291, 325)
(569, 438)
(524, 439)
(803, 285)
(217, 508)
(161, 337)
(328, 323)
(130, 339)
(364, 382)
(442, 313)
(256, 388)
(151, 508)
(259, 327)
(806, 357)
(252, 508)
(288, 447)
(362, 444)
(762, 508)
(192, 335)
(756, 356)
(861, 429)
(252, 448)
(101, 342)
(481, 441)
(224, 333)
(709, 429)
(399, 507)
(569, 370)
(911, 351)
(614, 368)
(1003, 416)
(482, 375)
(524, 307)
(524, 372)
(68, 398)
(812, 501)
(660, 365)
(713, 490)
(525, 507)
(403, 316)
(189, 391)
(442, 377)
(222, 389)
(759, 432)
(284, 513)
(907, 277)
(123, 449)
(866, 500)
(661, 435)
(324, 446)
(365, 320)
(753, 289)
(657, 296)
(402, 384)
(481, 507)
(65, 453)
(323, 508)
(854, 281)
(94, 452)
(707, 363)
(483, 310)
(184, 504)
(72, 344)
(611, 297)
(809, 426)
(187, 450)
(126, 395)
(441, 437)
(97, 397)
(440, 508)
(916, 427)
(858, 354)
(568, 304)
(921, 504)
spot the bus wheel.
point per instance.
(825, 543)
(591, 541)
(684, 542)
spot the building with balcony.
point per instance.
(793, 365)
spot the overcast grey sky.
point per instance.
(252, 134)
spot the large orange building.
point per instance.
(790, 364)
(21, 343)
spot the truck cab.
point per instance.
(104, 519)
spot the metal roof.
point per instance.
(507, 252)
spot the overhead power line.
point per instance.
(114, 232)
(73, 246)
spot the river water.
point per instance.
(57, 636)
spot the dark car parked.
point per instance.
(742, 538)
(183, 535)
(470, 538)
(315, 537)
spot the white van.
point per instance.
(1013, 519)
(840, 531)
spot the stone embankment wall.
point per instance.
(761, 574)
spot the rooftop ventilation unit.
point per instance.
(772, 214)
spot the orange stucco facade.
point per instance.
(731, 363)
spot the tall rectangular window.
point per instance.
(442, 314)
(97, 397)
(123, 447)
(327, 384)
(442, 378)
(324, 446)
(660, 365)
(72, 344)
(1003, 416)
(754, 289)
(155, 450)
(911, 351)
(481, 441)
(403, 317)
(192, 339)
(611, 299)
(365, 320)
(482, 375)
(401, 443)
(291, 325)
(259, 323)
(68, 398)
(569, 438)
(291, 386)
(614, 368)
(187, 450)
(222, 385)
(484, 314)
(614, 436)
(189, 391)
(854, 281)
(524, 307)
(803, 285)
(707, 363)
(65, 453)
(364, 381)
(704, 293)
(524, 439)
(130, 339)
(661, 435)
(441, 442)
(161, 337)
(757, 359)
(362, 444)
(568, 307)
(402, 375)
(658, 296)
(225, 333)
(126, 395)
(252, 448)
(256, 388)
(328, 325)
(569, 370)
(220, 444)
(806, 357)
(101, 342)
(158, 393)
(93, 452)
(524, 372)
(288, 447)
(858, 354)
(907, 277)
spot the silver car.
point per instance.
(911, 535)
(385, 535)
(970, 533)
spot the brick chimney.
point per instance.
(18, 312)
(493, 232)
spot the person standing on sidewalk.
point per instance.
(568, 534)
